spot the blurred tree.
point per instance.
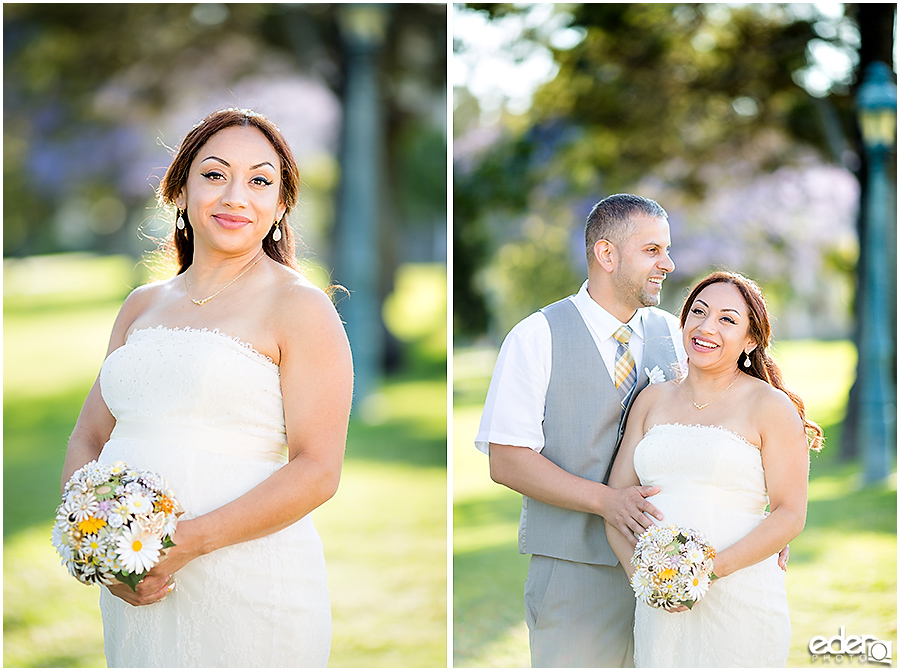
(86, 86)
(677, 99)
(77, 75)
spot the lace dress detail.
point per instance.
(712, 479)
(204, 410)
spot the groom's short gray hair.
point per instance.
(611, 219)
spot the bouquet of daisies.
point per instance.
(674, 566)
(114, 522)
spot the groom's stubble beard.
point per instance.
(633, 290)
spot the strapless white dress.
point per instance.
(204, 410)
(711, 479)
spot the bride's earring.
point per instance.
(746, 360)
(276, 234)
(179, 222)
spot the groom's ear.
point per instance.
(605, 253)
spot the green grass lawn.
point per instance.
(843, 567)
(384, 532)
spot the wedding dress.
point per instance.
(204, 411)
(712, 480)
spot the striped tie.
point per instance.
(625, 373)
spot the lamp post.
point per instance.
(877, 114)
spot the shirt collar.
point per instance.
(601, 321)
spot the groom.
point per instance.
(555, 411)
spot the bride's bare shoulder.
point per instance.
(655, 392)
(303, 308)
(142, 299)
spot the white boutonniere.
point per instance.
(655, 375)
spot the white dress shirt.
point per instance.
(514, 408)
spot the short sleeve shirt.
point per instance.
(514, 408)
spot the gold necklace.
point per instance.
(700, 407)
(203, 301)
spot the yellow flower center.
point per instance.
(136, 545)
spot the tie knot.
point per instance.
(623, 334)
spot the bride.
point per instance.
(721, 444)
(231, 380)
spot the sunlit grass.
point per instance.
(843, 566)
(384, 532)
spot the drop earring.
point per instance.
(179, 222)
(276, 234)
(746, 360)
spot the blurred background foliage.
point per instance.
(95, 101)
(738, 118)
(96, 97)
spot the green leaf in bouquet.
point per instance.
(168, 542)
(130, 579)
(689, 603)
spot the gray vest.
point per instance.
(583, 424)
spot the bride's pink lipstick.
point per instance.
(230, 221)
(703, 345)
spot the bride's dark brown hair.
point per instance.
(762, 365)
(175, 179)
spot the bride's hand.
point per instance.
(676, 609)
(159, 581)
(151, 589)
(783, 557)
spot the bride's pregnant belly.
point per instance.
(200, 480)
(722, 525)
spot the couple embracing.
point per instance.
(609, 415)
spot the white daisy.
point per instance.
(139, 504)
(138, 551)
(82, 506)
(641, 584)
(693, 554)
(169, 526)
(697, 587)
(90, 545)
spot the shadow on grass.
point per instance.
(484, 581)
(486, 574)
(404, 421)
(396, 441)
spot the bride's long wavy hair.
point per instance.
(762, 365)
(175, 179)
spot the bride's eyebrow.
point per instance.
(228, 165)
